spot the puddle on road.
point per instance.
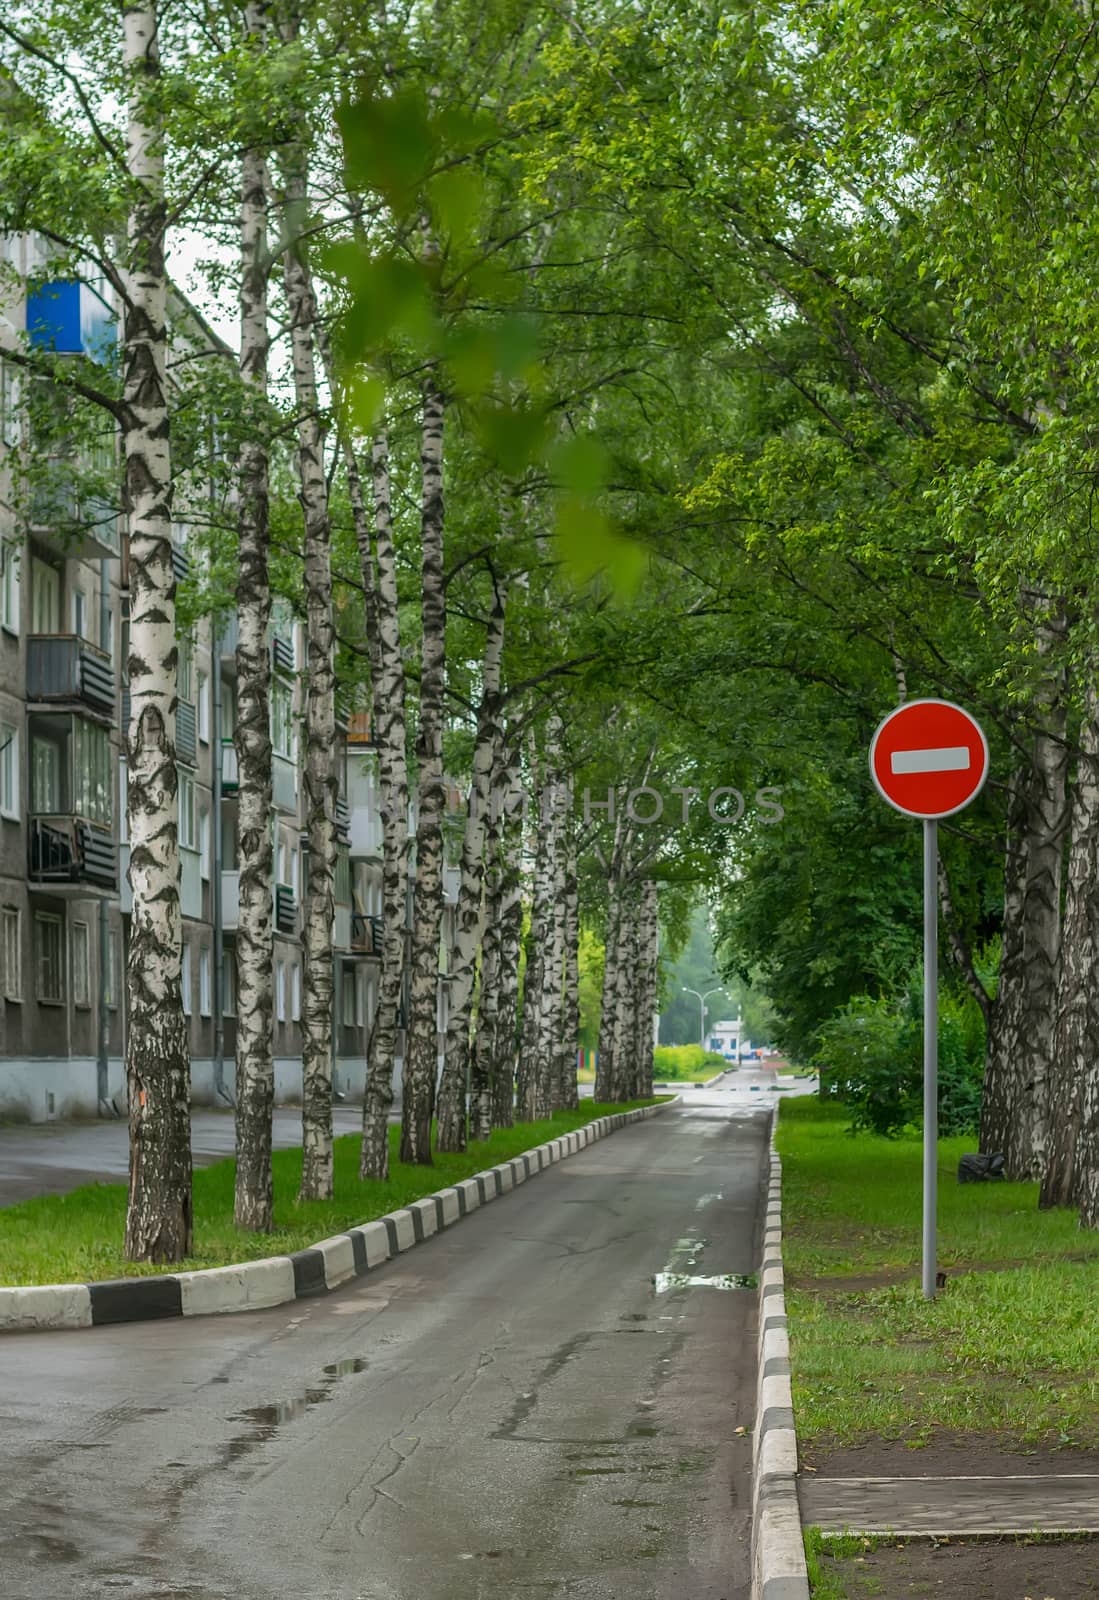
(664, 1281)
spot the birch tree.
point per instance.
(159, 1210)
(422, 1050)
(255, 1074)
(319, 780)
(451, 1126)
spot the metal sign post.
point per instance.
(929, 759)
(930, 1051)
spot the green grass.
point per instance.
(77, 1237)
(823, 1552)
(686, 1063)
(1013, 1351)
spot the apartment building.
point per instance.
(64, 897)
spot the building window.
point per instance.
(81, 965)
(92, 772)
(228, 984)
(49, 959)
(13, 955)
(9, 587)
(228, 711)
(9, 770)
(123, 808)
(204, 842)
(114, 967)
(348, 986)
(186, 811)
(185, 671)
(282, 721)
(45, 777)
(204, 707)
(80, 614)
(45, 597)
(343, 878)
(280, 991)
(204, 981)
(185, 978)
(9, 405)
(295, 992)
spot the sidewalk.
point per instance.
(53, 1157)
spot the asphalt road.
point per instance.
(514, 1409)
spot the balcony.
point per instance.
(452, 880)
(366, 934)
(66, 852)
(69, 670)
(71, 524)
(359, 733)
(365, 832)
(341, 928)
(343, 821)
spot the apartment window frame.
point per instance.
(12, 918)
(80, 963)
(114, 970)
(185, 977)
(202, 691)
(280, 991)
(228, 983)
(282, 719)
(10, 425)
(185, 809)
(204, 980)
(123, 800)
(295, 991)
(205, 852)
(49, 923)
(45, 597)
(9, 772)
(185, 669)
(9, 587)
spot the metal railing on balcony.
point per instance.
(186, 732)
(66, 668)
(366, 934)
(67, 849)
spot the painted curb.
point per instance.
(274, 1280)
(778, 1549)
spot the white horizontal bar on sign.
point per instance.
(948, 758)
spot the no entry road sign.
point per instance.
(929, 758)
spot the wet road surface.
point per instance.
(512, 1409)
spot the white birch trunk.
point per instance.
(497, 1051)
(568, 1096)
(255, 1073)
(451, 1114)
(319, 780)
(1076, 1048)
(422, 1052)
(159, 1210)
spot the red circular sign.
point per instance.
(929, 758)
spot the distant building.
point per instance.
(724, 1038)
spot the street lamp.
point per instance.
(702, 999)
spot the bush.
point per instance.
(870, 1057)
(681, 1062)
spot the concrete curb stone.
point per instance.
(778, 1549)
(317, 1270)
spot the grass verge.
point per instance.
(1011, 1346)
(77, 1237)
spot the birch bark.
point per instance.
(255, 1076)
(1076, 1047)
(1003, 1050)
(319, 781)
(422, 1052)
(390, 733)
(568, 1096)
(451, 1114)
(159, 1209)
(509, 919)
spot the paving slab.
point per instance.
(953, 1507)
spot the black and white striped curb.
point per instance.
(256, 1285)
(778, 1551)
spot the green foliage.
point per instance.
(686, 1063)
(870, 1057)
